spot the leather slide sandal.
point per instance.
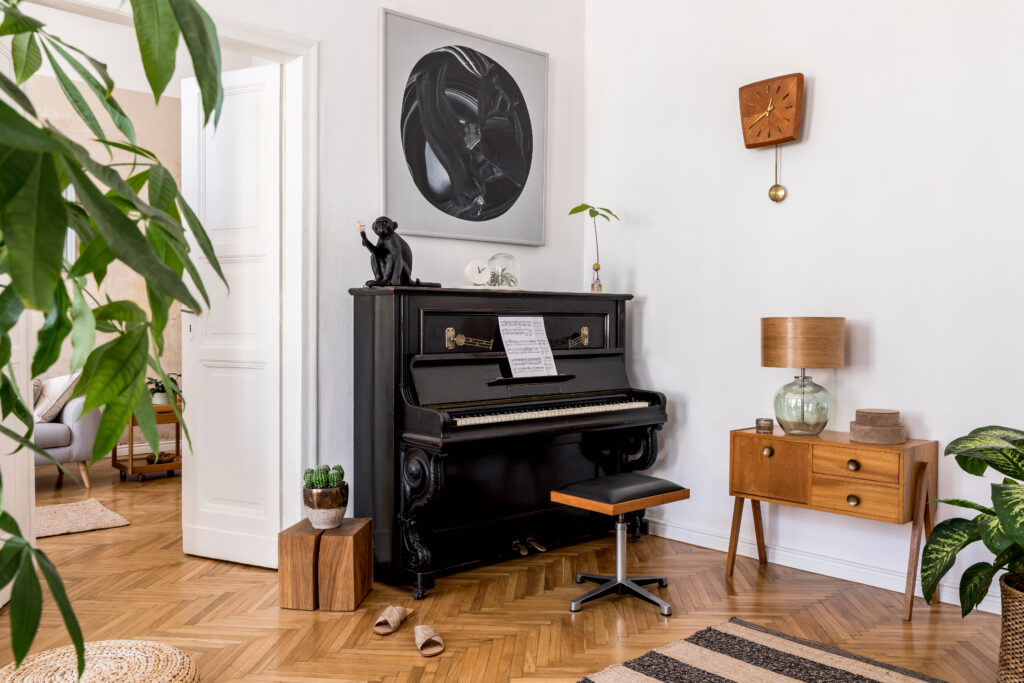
(390, 619)
(428, 641)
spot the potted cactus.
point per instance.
(325, 496)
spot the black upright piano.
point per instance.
(454, 458)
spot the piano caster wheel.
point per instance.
(140, 477)
(418, 593)
(123, 476)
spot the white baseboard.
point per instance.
(142, 448)
(859, 572)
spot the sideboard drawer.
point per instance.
(856, 463)
(856, 498)
(762, 466)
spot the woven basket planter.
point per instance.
(1011, 645)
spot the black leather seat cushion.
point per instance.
(619, 488)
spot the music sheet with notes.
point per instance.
(527, 346)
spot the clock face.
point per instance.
(478, 272)
(771, 110)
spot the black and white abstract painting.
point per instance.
(464, 134)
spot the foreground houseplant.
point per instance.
(132, 213)
(325, 496)
(1000, 527)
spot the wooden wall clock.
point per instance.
(771, 112)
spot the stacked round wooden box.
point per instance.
(876, 425)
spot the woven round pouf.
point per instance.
(120, 661)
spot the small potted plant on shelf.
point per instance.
(594, 212)
(158, 391)
(325, 496)
(1000, 527)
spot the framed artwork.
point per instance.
(464, 132)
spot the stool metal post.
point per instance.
(621, 583)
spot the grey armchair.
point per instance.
(69, 437)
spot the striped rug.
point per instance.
(747, 653)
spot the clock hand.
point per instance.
(756, 120)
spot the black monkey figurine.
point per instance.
(391, 257)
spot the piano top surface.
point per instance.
(484, 291)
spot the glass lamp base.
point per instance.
(802, 408)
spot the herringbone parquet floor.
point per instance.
(507, 621)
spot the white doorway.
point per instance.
(250, 363)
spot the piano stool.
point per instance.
(616, 495)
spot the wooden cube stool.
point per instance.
(618, 494)
(327, 568)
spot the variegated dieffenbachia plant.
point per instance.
(999, 527)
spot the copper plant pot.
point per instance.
(326, 508)
(1011, 643)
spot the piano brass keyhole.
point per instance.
(852, 465)
(767, 451)
(853, 500)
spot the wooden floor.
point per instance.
(507, 621)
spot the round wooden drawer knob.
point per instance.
(853, 500)
(852, 465)
(767, 451)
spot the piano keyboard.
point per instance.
(516, 416)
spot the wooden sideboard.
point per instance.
(830, 473)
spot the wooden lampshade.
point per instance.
(803, 342)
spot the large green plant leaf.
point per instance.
(118, 363)
(204, 49)
(60, 596)
(115, 417)
(10, 310)
(26, 56)
(162, 189)
(17, 132)
(74, 95)
(10, 401)
(947, 539)
(157, 31)
(34, 228)
(202, 239)
(15, 22)
(974, 585)
(992, 534)
(93, 258)
(83, 328)
(26, 606)
(15, 168)
(960, 503)
(117, 115)
(123, 311)
(16, 94)
(146, 418)
(1008, 501)
(998, 453)
(55, 329)
(125, 240)
(1014, 436)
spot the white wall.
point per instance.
(350, 169)
(903, 215)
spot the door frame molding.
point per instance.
(299, 56)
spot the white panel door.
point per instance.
(231, 352)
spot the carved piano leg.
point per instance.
(422, 479)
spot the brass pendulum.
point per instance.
(776, 192)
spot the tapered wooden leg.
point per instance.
(920, 505)
(60, 477)
(755, 505)
(737, 517)
(83, 471)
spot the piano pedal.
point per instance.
(536, 545)
(520, 548)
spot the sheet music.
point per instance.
(527, 346)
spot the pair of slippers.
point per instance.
(428, 640)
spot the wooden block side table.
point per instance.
(298, 548)
(829, 473)
(346, 565)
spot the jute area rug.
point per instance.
(743, 652)
(107, 661)
(71, 518)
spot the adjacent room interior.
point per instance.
(454, 340)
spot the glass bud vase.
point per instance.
(802, 407)
(595, 284)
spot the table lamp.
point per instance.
(802, 407)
